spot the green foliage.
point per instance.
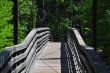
(103, 29)
(27, 15)
(59, 11)
(58, 18)
(6, 37)
(85, 12)
(58, 28)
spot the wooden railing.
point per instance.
(85, 58)
(18, 58)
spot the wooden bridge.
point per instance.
(37, 54)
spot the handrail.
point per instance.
(86, 54)
(18, 58)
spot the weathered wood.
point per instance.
(31, 54)
(42, 38)
(42, 45)
(11, 50)
(38, 49)
(19, 57)
(83, 60)
(87, 54)
(49, 52)
(14, 62)
(75, 32)
(34, 51)
(42, 29)
(23, 45)
(43, 33)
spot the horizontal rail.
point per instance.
(18, 58)
(87, 55)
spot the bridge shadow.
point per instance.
(67, 65)
(64, 63)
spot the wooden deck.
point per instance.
(49, 60)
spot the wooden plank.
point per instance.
(42, 44)
(30, 56)
(38, 50)
(43, 33)
(43, 37)
(34, 47)
(30, 36)
(42, 29)
(77, 35)
(52, 50)
(24, 64)
(44, 64)
(21, 56)
(29, 52)
(26, 41)
(48, 66)
(19, 47)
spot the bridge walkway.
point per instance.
(52, 59)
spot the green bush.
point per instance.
(27, 16)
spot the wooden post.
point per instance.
(94, 22)
(41, 13)
(15, 20)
